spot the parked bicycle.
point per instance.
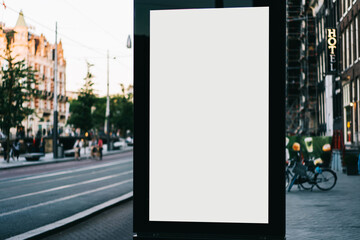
(308, 173)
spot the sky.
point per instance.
(87, 29)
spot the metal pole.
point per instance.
(108, 106)
(55, 131)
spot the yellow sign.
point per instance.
(331, 45)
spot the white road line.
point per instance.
(56, 179)
(64, 198)
(66, 186)
(70, 171)
(65, 221)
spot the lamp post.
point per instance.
(107, 114)
(55, 125)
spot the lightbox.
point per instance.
(209, 119)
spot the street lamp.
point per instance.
(107, 114)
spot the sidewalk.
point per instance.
(48, 158)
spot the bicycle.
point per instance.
(310, 175)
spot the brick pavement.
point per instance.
(325, 215)
(113, 223)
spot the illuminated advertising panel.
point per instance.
(209, 119)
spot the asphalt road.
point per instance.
(315, 215)
(34, 197)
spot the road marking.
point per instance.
(64, 198)
(56, 179)
(66, 186)
(69, 171)
(65, 221)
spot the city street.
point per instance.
(315, 215)
(37, 197)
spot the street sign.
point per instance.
(209, 119)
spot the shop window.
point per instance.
(347, 127)
(347, 114)
(353, 108)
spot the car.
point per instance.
(120, 144)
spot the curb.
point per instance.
(52, 227)
(58, 160)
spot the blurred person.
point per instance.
(16, 149)
(93, 147)
(77, 147)
(4, 145)
(100, 146)
(83, 144)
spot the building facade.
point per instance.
(301, 75)
(348, 32)
(39, 54)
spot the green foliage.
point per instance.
(17, 88)
(99, 113)
(122, 111)
(81, 116)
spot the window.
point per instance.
(319, 32)
(322, 29)
(341, 7)
(356, 37)
(347, 48)
(323, 63)
(49, 85)
(345, 7)
(351, 44)
(317, 69)
(343, 51)
(320, 67)
(347, 114)
(316, 36)
(319, 106)
(323, 106)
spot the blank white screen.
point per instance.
(209, 115)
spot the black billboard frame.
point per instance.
(145, 229)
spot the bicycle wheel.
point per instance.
(309, 182)
(325, 180)
(287, 180)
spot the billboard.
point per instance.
(209, 110)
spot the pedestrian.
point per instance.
(42, 146)
(93, 147)
(4, 146)
(77, 148)
(83, 144)
(100, 145)
(16, 149)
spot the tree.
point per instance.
(99, 113)
(122, 110)
(17, 88)
(80, 109)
